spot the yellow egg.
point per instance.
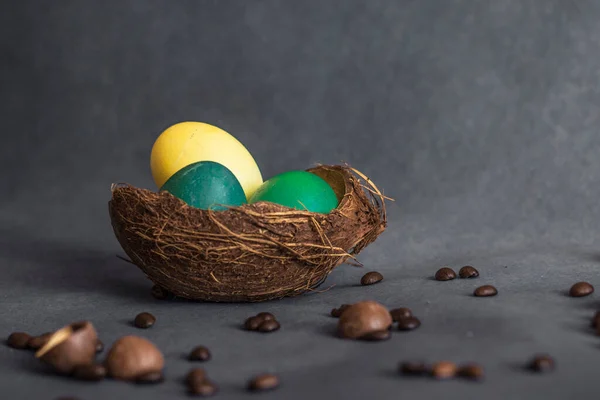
(186, 143)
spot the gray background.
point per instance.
(481, 118)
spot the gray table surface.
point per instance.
(480, 118)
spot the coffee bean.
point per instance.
(596, 320)
(252, 323)
(471, 371)
(265, 316)
(444, 370)
(196, 375)
(445, 274)
(161, 294)
(93, 372)
(263, 382)
(581, 289)
(485, 291)
(150, 378)
(408, 324)
(269, 326)
(144, 320)
(37, 342)
(371, 278)
(413, 368)
(337, 312)
(377, 336)
(18, 340)
(400, 313)
(200, 353)
(205, 388)
(99, 346)
(541, 363)
(468, 272)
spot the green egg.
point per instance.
(206, 185)
(298, 189)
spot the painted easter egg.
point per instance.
(206, 185)
(298, 189)
(188, 142)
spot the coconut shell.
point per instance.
(254, 252)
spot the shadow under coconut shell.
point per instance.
(63, 266)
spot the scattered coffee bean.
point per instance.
(266, 316)
(581, 289)
(337, 312)
(444, 370)
(485, 291)
(377, 336)
(93, 372)
(445, 274)
(99, 346)
(263, 382)
(413, 368)
(200, 353)
(541, 363)
(468, 272)
(596, 320)
(408, 324)
(400, 313)
(144, 320)
(161, 294)
(270, 325)
(150, 378)
(195, 376)
(371, 278)
(262, 322)
(362, 318)
(18, 340)
(252, 323)
(205, 388)
(471, 371)
(37, 342)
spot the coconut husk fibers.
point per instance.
(255, 252)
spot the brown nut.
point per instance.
(69, 347)
(131, 357)
(363, 318)
(37, 342)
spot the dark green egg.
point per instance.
(206, 185)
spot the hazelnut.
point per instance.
(69, 347)
(363, 318)
(131, 357)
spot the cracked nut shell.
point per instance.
(131, 357)
(69, 347)
(363, 318)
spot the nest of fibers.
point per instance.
(251, 253)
